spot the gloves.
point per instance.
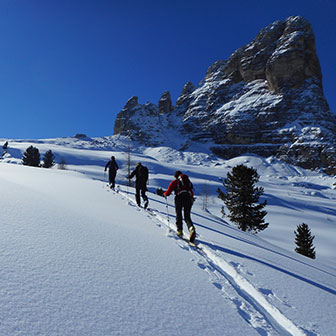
(160, 192)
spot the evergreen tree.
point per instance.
(31, 157)
(304, 241)
(48, 159)
(242, 197)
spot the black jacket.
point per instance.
(141, 174)
(112, 165)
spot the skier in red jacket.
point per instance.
(184, 196)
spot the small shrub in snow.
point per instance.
(62, 164)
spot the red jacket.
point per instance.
(173, 187)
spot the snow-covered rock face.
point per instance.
(267, 98)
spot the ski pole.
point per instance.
(167, 210)
(127, 184)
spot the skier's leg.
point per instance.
(112, 179)
(187, 209)
(109, 179)
(178, 210)
(187, 204)
(144, 196)
(137, 196)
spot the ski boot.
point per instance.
(192, 234)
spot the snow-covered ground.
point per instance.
(78, 259)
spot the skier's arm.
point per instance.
(107, 164)
(132, 174)
(171, 188)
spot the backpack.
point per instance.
(143, 173)
(184, 185)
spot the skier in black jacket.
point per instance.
(113, 167)
(141, 174)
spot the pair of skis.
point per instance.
(193, 244)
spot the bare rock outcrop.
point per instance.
(165, 103)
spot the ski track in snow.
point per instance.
(250, 302)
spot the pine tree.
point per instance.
(48, 159)
(242, 197)
(31, 157)
(304, 241)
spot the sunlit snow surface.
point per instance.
(77, 259)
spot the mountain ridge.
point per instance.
(266, 99)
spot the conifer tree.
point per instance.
(48, 159)
(304, 241)
(242, 197)
(31, 157)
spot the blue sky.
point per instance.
(69, 67)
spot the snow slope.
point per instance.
(78, 259)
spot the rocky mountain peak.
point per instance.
(266, 98)
(165, 103)
(184, 97)
(132, 102)
(283, 53)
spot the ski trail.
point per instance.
(251, 303)
(246, 290)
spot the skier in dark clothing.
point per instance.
(5, 146)
(141, 174)
(113, 167)
(184, 197)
